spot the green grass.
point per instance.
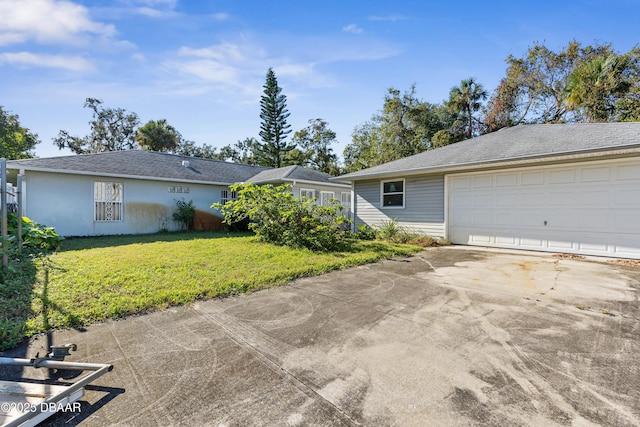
(93, 279)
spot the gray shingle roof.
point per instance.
(291, 173)
(515, 143)
(144, 164)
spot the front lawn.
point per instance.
(93, 279)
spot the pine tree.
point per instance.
(274, 128)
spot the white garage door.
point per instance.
(586, 208)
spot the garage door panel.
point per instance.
(560, 245)
(483, 218)
(531, 243)
(531, 220)
(507, 180)
(594, 175)
(506, 219)
(593, 248)
(627, 246)
(483, 200)
(561, 198)
(507, 240)
(627, 221)
(560, 220)
(460, 183)
(628, 172)
(532, 199)
(628, 197)
(590, 208)
(532, 178)
(507, 200)
(483, 182)
(562, 177)
(594, 198)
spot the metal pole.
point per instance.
(3, 207)
(19, 211)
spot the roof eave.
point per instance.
(113, 175)
(593, 154)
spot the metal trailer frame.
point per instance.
(54, 360)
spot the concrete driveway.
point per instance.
(453, 336)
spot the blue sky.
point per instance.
(201, 64)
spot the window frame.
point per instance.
(348, 194)
(322, 193)
(120, 202)
(230, 195)
(403, 193)
(311, 190)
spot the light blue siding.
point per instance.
(424, 204)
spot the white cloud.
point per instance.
(389, 18)
(158, 9)
(155, 13)
(28, 59)
(352, 28)
(227, 52)
(221, 16)
(47, 22)
(138, 57)
(240, 67)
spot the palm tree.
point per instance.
(157, 136)
(466, 100)
(595, 86)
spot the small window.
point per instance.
(227, 195)
(309, 194)
(107, 201)
(345, 200)
(325, 197)
(393, 194)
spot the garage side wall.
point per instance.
(423, 209)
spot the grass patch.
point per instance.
(92, 279)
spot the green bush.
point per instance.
(34, 235)
(185, 213)
(394, 232)
(278, 217)
(391, 231)
(364, 232)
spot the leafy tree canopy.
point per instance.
(603, 88)
(405, 126)
(16, 142)
(112, 129)
(315, 150)
(535, 86)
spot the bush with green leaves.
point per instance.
(278, 217)
(364, 232)
(391, 231)
(34, 235)
(185, 213)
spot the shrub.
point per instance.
(185, 213)
(364, 232)
(278, 217)
(34, 235)
(391, 231)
